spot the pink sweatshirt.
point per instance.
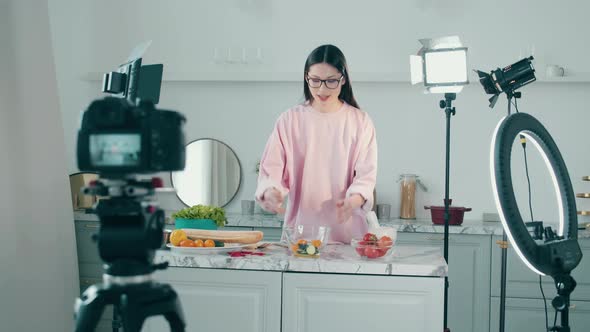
(318, 158)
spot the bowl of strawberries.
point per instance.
(375, 243)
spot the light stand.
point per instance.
(504, 243)
(446, 104)
(559, 254)
(441, 64)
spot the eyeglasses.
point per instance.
(331, 83)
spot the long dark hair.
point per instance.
(331, 55)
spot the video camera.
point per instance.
(128, 134)
(119, 138)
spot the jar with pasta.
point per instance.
(408, 183)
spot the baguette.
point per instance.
(243, 237)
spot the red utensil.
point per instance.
(456, 214)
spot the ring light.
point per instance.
(553, 257)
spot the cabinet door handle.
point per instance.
(440, 238)
(572, 307)
(91, 226)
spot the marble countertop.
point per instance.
(403, 261)
(475, 227)
(401, 225)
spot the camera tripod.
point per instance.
(134, 302)
(131, 229)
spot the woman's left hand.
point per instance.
(344, 207)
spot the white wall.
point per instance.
(39, 278)
(377, 37)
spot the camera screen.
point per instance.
(115, 149)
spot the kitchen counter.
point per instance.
(404, 261)
(279, 292)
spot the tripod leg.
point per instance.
(175, 317)
(158, 299)
(89, 309)
(116, 323)
(134, 322)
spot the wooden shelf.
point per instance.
(585, 178)
(583, 195)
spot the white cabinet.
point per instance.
(528, 315)
(524, 305)
(324, 302)
(223, 300)
(521, 282)
(469, 277)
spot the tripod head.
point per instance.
(447, 103)
(131, 225)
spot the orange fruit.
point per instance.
(316, 243)
(199, 243)
(209, 243)
(301, 241)
(187, 243)
(295, 247)
(177, 236)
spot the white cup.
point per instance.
(555, 71)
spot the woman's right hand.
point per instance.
(272, 201)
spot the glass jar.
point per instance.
(408, 184)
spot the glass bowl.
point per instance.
(375, 244)
(307, 240)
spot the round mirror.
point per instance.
(211, 176)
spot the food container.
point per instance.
(306, 240)
(375, 245)
(408, 184)
(456, 214)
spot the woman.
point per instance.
(322, 153)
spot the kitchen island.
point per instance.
(474, 271)
(337, 292)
